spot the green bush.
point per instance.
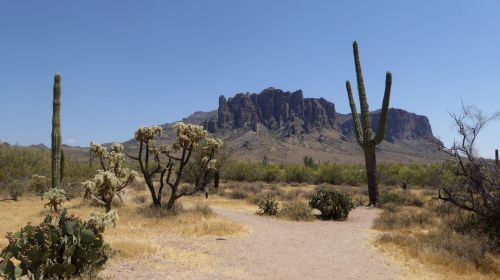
(332, 204)
(296, 211)
(272, 173)
(299, 174)
(268, 205)
(60, 247)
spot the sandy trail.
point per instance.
(274, 249)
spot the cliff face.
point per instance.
(400, 124)
(276, 109)
(292, 114)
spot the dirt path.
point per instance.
(274, 249)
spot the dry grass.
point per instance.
(416, 227)
(139, 229)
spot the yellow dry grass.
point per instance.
(414, 240)
(139, 231)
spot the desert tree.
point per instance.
(363, 126)
(112, 178)
(165, 164)
(477, 185)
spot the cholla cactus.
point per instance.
(111, 179)
(104, 221)
(177, 155)
(55, 198)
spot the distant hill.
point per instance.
(285, 127)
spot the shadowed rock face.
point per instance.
(401, 124)
(276, 109)
(293, 114)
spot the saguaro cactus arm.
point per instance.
(363, 103)
(382, 123)
(355, 118)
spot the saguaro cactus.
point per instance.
(496, 157)
(363, 126)
(57, 156)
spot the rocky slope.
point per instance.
(284, 127)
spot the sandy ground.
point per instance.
(274, 249)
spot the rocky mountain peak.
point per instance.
(276, 109)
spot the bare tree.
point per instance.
(477, 185)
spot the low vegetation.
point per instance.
(61, 246)
(332, 204)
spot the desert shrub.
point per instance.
(353, 175)
(268, 205)
(329, 173)
(55, 198)
(238, 194)
(293, 194)
(140, 199)
(15, 189)
(396, 218)
(309, 162)
(160, 212)
(252, 188)
(22, 162)
(243, 171)
(272, 173)
(39, 184)
(403, 198)
(203, 208)
(332, 204)
(60, 247)
(296, 211)
(299, 174)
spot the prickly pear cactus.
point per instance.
(60, 247)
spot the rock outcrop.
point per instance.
(401, 124)
(276, 109)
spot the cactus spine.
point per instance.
(57, 157)
(363, 126)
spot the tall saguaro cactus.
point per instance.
(57, 154)
(363, 126)
(496, 158)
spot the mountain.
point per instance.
(284, 127)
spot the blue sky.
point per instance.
(130, 63)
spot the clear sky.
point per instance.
(130, 63)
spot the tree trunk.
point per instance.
(371, 173)
(108, 206)
(154, 197)
(171, 200)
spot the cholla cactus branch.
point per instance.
(111, 179)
